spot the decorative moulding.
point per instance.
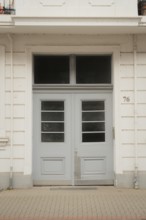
(52, 2)
(101, 2)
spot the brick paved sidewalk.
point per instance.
(46, 203)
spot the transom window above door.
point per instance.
(65, 69)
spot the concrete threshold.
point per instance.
(73, 188)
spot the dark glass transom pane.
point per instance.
(93, 69)
(52, 137)
(52, 126)
(95, 126)
(92, 105)
(52, 105)
(93, 137)
(92, 116)
(52, 116)
(51, 69)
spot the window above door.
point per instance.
(51, 69)
(80, 69)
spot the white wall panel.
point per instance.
(126, 71)
(8, 124)
(126, 59)
(19, 124)
(127, 110)
(141, 70)
(5, 153)
(128, 164)
(127, 123)
(127, 137)
(141, 123)
(141, 150)
(141, 58)
(141, 45)
(7, 98)
(127, 84)
(141, 111)
(4, 165)
(19, 71)
(141, 96)
(7, 111)
(128, 151)
(18, 110)
(19, 138)
(18, 165)
(141, 84)
(18, 58)
(18, 152)
(141, 137)
(2, 91)
(142, 164)
(19, 85)
(19, 98)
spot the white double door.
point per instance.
(72, 139)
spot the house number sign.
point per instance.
(126, 99)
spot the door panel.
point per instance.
(52, 146)
(94, 150)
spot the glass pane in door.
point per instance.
(52, 121)
(93, 121)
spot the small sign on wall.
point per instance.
(101, 2)
(52, 2)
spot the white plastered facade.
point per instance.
(128, 52)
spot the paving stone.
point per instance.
(47, 203)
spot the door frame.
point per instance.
(114, 50)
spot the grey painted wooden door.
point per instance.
(52, 139)
(93, 139)
(73, 139)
